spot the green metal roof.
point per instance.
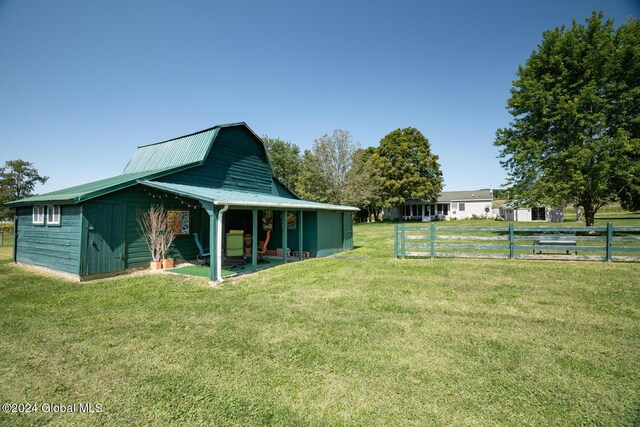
(179, 151)
(93, 189)
(174, 152)
(241, 198)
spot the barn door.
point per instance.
(348, 230)
(105, 238)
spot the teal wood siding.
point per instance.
(105, 245)
(348, 231)
(282, 191)
(237, 161)
(136, 253)
(310, 230)
(330, 233)
(52, 246)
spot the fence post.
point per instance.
(433, 240)
(402, 241)
(512, 249)
(609, 241)
(395, 241)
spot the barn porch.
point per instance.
(297, 227)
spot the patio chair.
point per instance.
(234, 249)
(203, 253)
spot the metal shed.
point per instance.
(218, 178)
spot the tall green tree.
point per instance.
(408, 168)
(575, 134)
(363, 184)
(311, 183)
(334, 154)
(285, 159)
(18, 179)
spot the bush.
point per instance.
(499, 218)
(6, 227)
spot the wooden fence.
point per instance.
(610, 243)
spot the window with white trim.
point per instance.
(38, 215)
(461, 207)
(53, 215)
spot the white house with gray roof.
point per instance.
(450, 204)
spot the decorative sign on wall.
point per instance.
(179, 222)
(292, 221)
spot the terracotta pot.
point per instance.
(167, 263)
(248, 239)
(156, 265)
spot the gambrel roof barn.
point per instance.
(218, 179)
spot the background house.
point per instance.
(213, 181)
(450, 204)
(536, 213)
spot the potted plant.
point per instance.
(167, 239)
(154, 228)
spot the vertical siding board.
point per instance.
(330, 233)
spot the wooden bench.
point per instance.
(555, 240)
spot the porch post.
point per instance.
(284, 236)
(254, 244)
(300, 236)
(213, 246)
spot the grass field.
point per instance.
(364, 340)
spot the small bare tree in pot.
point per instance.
(153, 225)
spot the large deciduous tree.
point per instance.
(334, 154)
(363, 184)
(575, 134)
(285, 160)
(311, 183)
(408, 168)
(18, 179)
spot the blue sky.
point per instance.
(82, 83)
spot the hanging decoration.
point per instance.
(292, 221)
(179, 222)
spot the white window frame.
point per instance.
(37, 215)
(55, 218)
(462, 206)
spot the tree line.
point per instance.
(336, 170)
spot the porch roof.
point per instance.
(220, 197)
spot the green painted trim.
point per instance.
(213, 244)
(284, 236)
(300, 235)
(15, 238)
(84, 235)
(254, 243)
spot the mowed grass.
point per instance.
(332, 341)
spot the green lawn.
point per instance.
(332, 341)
